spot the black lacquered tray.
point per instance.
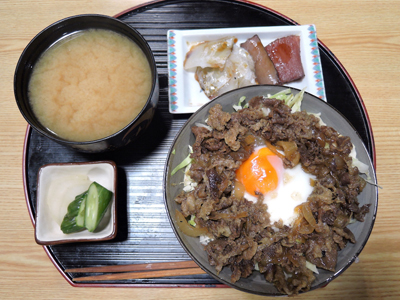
(144, 233)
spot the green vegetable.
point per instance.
(191, 221)
(97, 201)
(80, 218)
(239, 105)
(87, 210)
(282, 95)
(184, 163)
(70, 222)
(294, 102)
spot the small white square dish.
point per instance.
(57, 187)
(185, 93)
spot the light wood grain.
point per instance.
(363, 34)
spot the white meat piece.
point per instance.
(237, 72)
(209, 54)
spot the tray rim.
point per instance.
(194, 285)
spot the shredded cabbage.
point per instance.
(282, 95)
(184, 163)
(239, 106)
(293, 101)
(363, 168)
(188, 183)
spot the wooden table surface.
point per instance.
(365, 37)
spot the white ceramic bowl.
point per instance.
(58, 184)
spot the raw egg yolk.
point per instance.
(257, 173)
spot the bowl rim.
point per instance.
(150, 58)
(335, 274)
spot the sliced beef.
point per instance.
(218, 118)
(285, 55)
(322, 252)
(264, 68)
(213, 181)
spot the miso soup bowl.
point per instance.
(53, 33)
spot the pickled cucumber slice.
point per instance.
(70, 223)
(97, 201)
(80, 218)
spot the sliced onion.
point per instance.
(305, 228)
(217, 216)
(203, 125)
(186, 228)
(290, 150)
(238, 191)
(307, 214)
(250, 139)
(312, 267)
(243, 214)
(274, 150)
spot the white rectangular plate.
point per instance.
(185, 93)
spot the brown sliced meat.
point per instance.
(285, 55)
(200, 133)
(322, 252)
(213, 182)
(264, 68)
(241, 268)
(218, 118)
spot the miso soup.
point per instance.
(90, 85)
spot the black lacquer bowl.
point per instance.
(50, 35)
(256, 283)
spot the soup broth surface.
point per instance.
(90, 85)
